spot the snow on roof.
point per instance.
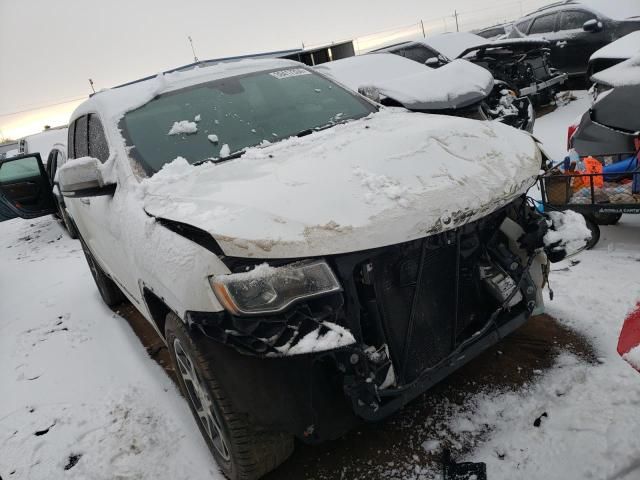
(454, 43)
(415, 86)
(620, 75)
(625, 47)
(615, 9)
(114, 103)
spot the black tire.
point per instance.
(595, 231)
(68, 224)
(607, 218)
(251, 452)
(109, 291)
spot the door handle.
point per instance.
(561, 44)
(85, 201)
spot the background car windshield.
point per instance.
(212, 120)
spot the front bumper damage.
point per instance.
(538, 87)
(417, 310)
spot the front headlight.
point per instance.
(267, 289)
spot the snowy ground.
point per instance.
(82, 399)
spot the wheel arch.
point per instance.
(157, 308)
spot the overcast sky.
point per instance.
(48, 49)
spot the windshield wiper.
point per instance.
(231, 156)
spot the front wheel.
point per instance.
(242, 451)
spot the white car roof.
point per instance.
(113, 103)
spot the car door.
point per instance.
(544, 27)
(25, 189)
(103, 221)
(575, 45)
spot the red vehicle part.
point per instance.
(570, 133)
(630, 334)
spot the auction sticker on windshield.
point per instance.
(290, 72)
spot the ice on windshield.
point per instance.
(235, 113)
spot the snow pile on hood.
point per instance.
(415, 86)
(392, 177)
(568, 232)
(623, 48)
(621, 75)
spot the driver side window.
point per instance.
(574, 19)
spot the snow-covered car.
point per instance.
(612, 123)
(522, 64)
(311, 258)
(432, 84)
(614, 53)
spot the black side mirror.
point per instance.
(592, 26)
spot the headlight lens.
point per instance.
(267, 289)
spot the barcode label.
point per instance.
(291, 72)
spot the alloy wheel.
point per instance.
(201, 401)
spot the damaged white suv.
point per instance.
(311, 258)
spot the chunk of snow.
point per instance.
(197, 118)
(334, 337)
(569, 233)
(213, 138)
(183, 127)
(225, 151)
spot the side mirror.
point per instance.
(372, 93)
(592, 26)
(83, 178)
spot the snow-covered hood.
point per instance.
(623, 48)
(455, 85)
(623, 74)
(392, 177)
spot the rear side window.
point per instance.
(575, 19)
(70, 137)
(544, 24)
(98, 147)
(80, 147)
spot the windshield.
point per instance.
(216, 119)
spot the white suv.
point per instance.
(311, 258)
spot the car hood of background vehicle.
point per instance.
(457, 84)
(392, 177)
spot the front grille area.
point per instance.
(426, 316)
(396, 276)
